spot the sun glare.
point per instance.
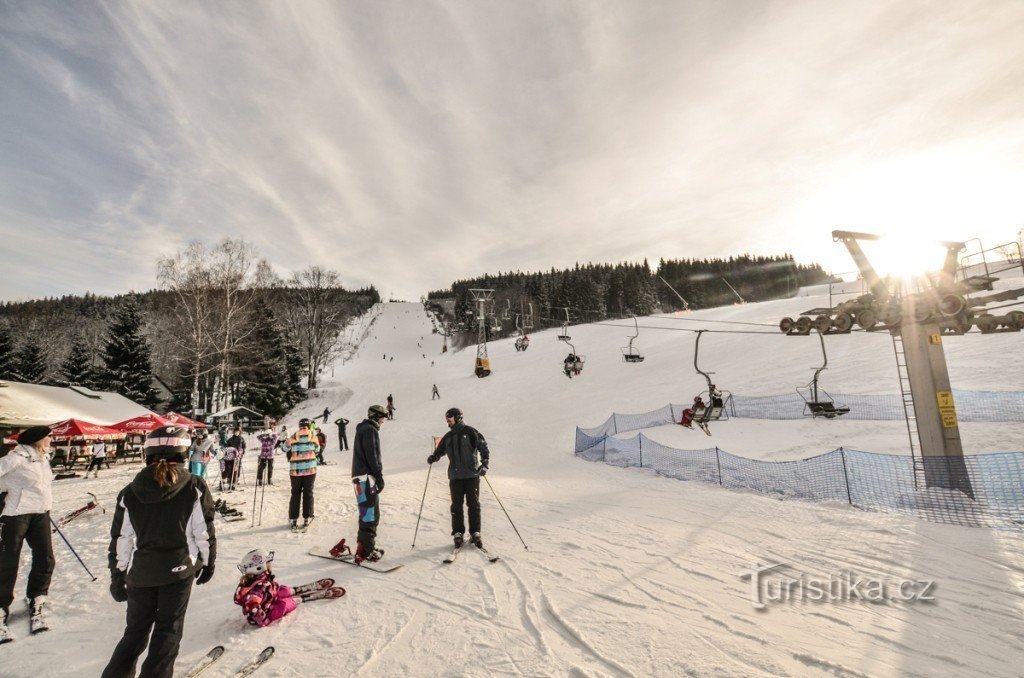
(902, 256)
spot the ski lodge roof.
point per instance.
(23, 405)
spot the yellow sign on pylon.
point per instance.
(947, 409)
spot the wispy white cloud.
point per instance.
(409, 144)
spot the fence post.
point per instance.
(615, 424)
(846, 476)
(604, 448)
(672, 412)
(718, 459)
(640, 438)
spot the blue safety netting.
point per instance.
(979, 490)
(971, 406)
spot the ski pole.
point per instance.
(429, 466)
(263, 494)
(506, 513)
(72, 548)
(256, 487)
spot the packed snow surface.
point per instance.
(627, 573)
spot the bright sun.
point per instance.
(904, 257)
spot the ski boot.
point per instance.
(294, 525)
(477, 541)
(306, 522)
(341, 549)
(37, 622)
(457, 538)
(5, 632)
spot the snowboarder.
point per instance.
(26, 501)
(342, 422)
(435, 393)
(262, 599)
(368, 482)
(268, 444)
(162, 539)
(468, 458)
(301, 451)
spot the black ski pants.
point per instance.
(33, 528)
(267, 464)
(162, 610)
(465, 490)
(342, 441)
(302, 490)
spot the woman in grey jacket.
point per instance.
(162, 538)
(25, 479)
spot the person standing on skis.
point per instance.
(368, 482)
(302, 452)
(342, 422)
(468, 458)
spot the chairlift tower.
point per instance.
(482, 298)
(943, 305)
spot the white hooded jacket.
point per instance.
(26, 478)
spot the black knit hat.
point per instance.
(167, 442)
(33, 435)
(455, 413)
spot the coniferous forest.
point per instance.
(594, 292)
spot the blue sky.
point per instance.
(408, 144)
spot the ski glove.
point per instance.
(205, 574)
(430, 459)
(482, 470)
(380, 486)
(118, 587)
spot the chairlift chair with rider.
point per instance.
(628, 354)
(712, 402)
(817, 401)
(573, 363)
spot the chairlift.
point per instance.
(628, 354)
(817, 401)
(522, 341)
(507, 313)
(573, 363)
(528, 318)
(564, 336)
(708, 405)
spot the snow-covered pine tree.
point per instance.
(77, 369)
(126, 359)
(6, 353)
(30, 363)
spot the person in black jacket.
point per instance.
(368, 482)
(342, 422)
(468, 458)
(162, 539)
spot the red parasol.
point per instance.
(76, 429)
(142, 423)
(182, 420)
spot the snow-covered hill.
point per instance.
(627, 573)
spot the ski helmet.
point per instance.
(168, 443)
(256, 561)
(376, 412)
(304, 423)
(455, 413)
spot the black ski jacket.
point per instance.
(466, 449)
(366, 452)
(162, 535)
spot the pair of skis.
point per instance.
(93, 503)
(458, 549)
(350, 559)
(214, 654)
(302, 529)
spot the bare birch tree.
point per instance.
(317, 316)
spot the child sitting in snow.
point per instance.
(263, 600)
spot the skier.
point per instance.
(327, 412)
(200, 454)
(368, 482)
(321, 440)
(26, 501)
(391, 407)
(435, 393)
(268, 443)
(301, 451)
(162, 538)
(238, 442)
(468, 458)
(342, 422)
(228, 472)
(99, 454)
(570, 364)
(262, 599)
(687, 419)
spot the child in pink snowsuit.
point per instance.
(263, 600)
(687, 420)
